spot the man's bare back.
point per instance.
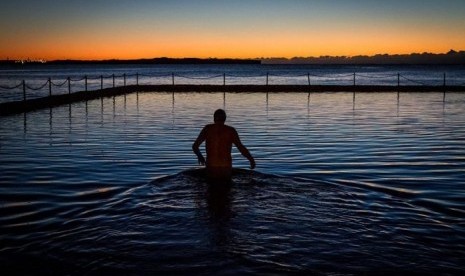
(219, 139)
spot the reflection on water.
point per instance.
(345, 183)
(124, 105)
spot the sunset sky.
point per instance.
(106, 29)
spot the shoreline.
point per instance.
(16, 107)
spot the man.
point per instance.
(219, 139)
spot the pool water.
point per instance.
(345, 184)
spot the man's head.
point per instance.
(219, 116)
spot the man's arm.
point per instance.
(244, 151)
(195, 147)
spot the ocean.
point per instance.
(346, 183)
(104, 76)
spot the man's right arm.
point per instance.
(195, 147)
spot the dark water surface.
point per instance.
(341, 186)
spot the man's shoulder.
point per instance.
(226, 128)
(216, 125)
(230, 128)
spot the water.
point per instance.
(36, 76)
(368, 186)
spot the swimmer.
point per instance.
(219, 139)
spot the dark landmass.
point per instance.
(162, 60)
(450, 58)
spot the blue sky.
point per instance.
(127, 29)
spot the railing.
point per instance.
(174, 78)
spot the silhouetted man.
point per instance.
(219, 139)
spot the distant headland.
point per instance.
(450, 58)
(162, 60)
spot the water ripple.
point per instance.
(341, 187)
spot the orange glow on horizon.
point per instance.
(223, 48)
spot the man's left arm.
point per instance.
(243, 150)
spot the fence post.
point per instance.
(444, 92)
(24, 90)
(172, 78)
(124, 76)
(137, 79)
(69, 85)
(85, 77)
(113, 75)
(267, 78)
(308, 78)
(101, 82)
(224, 79)
(49, 87)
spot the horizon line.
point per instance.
(238, 59)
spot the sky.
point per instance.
(117, 29)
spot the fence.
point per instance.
(226, 79)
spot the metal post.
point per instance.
(24, 90)
(444, 94)
(308, 78)
(69, 85)
(113, 75)
(101, 82)
(224, 79)
(49, 87)
(137, 79)
(85, 77)
(398, 79)
(124, 76)
(172, 78)
(267, 78)
(354, 79)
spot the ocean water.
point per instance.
(345, 183)
(36, 76)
